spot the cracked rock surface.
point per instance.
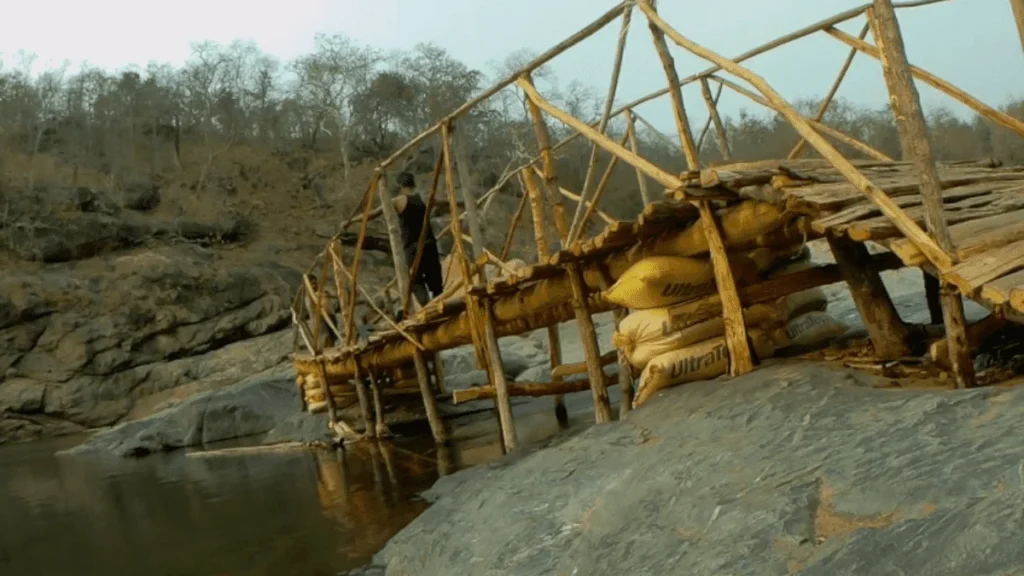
(795, 469)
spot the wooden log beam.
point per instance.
(889, 334)
(591, 349)
(581, 367)
(986, 111)
(543, 137)
(827, 101)
(554, 338)
(606, 113)
(709, 100)
(906, 106)
(648, 168)
(940, 259)
(534, 389)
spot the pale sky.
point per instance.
(971, 43)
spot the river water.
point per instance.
(297, 511)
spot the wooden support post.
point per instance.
(1018, 16)
(740, 359)
(931, 294)
(317, 323)
(906, 105)
(380, 426)
(723, 139)
(540, 129)
(403, 281)
(492, 361)
(588, 337)
(625, 370)
(458, 144)
(634, 146)
(832, 91)
(531, 190)
(438, 364)
(507, 246)
(364, 404)
(889, 335)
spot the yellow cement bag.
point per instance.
(739, 224)
(646, 334)
(809, 330)
(798, 303)
(701, 361)
(665, 280)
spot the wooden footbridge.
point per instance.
(962, 223)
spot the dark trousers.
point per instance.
(428, 275)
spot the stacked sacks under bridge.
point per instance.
(668, 345)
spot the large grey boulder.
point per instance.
(255, 406)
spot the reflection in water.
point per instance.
(282, 512)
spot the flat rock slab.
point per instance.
(794, 469)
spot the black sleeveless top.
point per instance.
(411, 221)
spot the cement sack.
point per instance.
(804, 301)
(809, 330)
(665, 280)
(646, 334)
(739, 224)
(701, 361)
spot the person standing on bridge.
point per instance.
(411, 211)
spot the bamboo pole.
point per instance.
(506, 247)
(537, 62)
(493, 362)
(1000, 118)
(531, 190)
(664, 178)
(818, 126)
(595, 199)
(1018, 16)
(332, 410)
(334, 250)
(605, 115)
(588, 337)
(402, 277)
(381, 427)
(906, 105)
(579, 200)
(458, 143)
(543, 136)
(896, 214)
(707, 123)
(625, 370)
(534, 389)
(740, 358)
(356, 257)
(823, 108)
(709, 100)
(421, 242)
(641, 180)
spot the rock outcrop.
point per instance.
(791, 469)
(86, 342)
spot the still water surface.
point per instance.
(279, 513)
